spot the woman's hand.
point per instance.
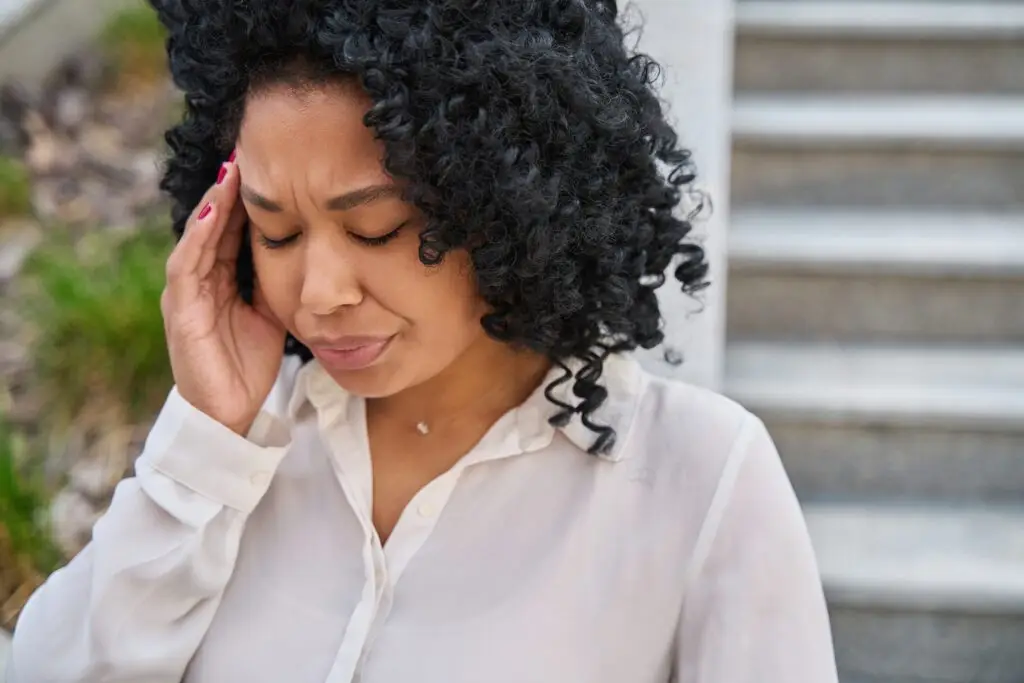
(225, 354)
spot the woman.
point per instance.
(453, 214)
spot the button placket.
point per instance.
(417, 523)
(357, 634)
(352, 470)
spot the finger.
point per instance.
(231, 240)
(184, 259)
(226, 203)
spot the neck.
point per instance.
(486, 381)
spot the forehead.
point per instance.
(309, 133)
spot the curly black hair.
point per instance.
(528, 132)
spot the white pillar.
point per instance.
(693, 41)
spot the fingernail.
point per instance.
(231, 158)
(222, 173)
(205, 212)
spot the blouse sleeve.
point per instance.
(135, 604)
(754, 610)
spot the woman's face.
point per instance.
(336, 248)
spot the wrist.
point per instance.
(239, 424)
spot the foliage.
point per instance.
(134, 41)
(94, 308)
(23, 505)
(15, 188)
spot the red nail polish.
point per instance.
(222, 173)
(205, 212)
(231, 158)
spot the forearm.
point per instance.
(136, 603)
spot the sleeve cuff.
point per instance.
(203, 455)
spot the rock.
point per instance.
(89, 68)
(46, 199)
(16, 243)
(76, 211)
(69, 91)
(72, 517)
(13, 357)
(104, 143)
(109, 457)
(94, 479)
(95, 158)
(25, 411)
(15, 105)
(100, 456)
(71, 109)
(48, 153)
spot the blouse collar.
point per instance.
(524, 429)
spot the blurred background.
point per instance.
(866, 160)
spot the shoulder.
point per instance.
(687, 455)
(682, 420)
(669, 405)
(691, 437)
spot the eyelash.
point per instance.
(368, 241)
(377, 241)
(276, 244)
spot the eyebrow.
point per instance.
(344, 202)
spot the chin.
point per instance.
(372, 382)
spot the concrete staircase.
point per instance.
(876, 314)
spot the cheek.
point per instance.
(443, 301)
(276, 276)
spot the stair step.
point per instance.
(880, 17)
(917, 557)
(879, 152)
(878, 64)
(944, 387)
(899, 242)
(889, 423)
(879, 46)
(854, 275)
(993, 122)
(923, 593)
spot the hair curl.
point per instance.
(529, 134)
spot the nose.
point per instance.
(330, 281)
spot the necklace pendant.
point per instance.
(422, 428)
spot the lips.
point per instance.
(350, 353)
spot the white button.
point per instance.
(426, 510)
(260, 478)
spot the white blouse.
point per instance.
(680, 556)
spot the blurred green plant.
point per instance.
(134, 41)
(23, 507)
(94, 309)
(15, 188)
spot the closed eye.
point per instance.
(380, 240)
(276, 244)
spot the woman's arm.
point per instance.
(136, 603)
(755, 610)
